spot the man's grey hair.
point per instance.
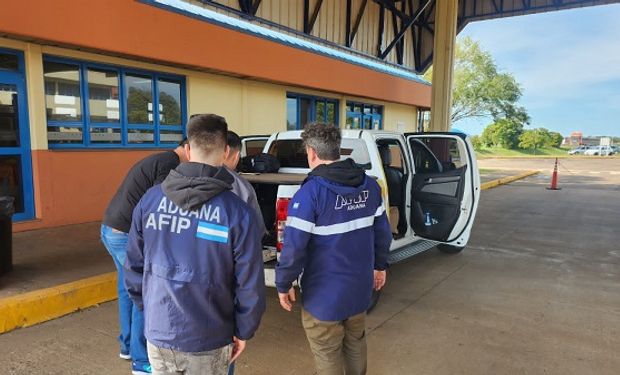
(324, 139)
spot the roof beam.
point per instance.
(310, 19)
(358, 19)
(404, 28)
(249, 7)
(391, 6)
(381, 28)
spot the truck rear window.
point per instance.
(292, 154)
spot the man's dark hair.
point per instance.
(324, 139)
(207, 132)
(233, 140)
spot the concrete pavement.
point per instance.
(537, 291)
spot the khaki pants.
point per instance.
(171, 362)
(338, 346)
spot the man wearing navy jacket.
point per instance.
(337, 237)
(194, 261)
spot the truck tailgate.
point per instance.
(275, 178)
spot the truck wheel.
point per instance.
(447, 249)
(376, 294)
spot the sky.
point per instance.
(568, 65)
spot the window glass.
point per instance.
(292, 154)
(166, 136)
(424, 159)
(63, 99)
(291, 113)
(64, 135)
(169, 102)
(9, 61)
(139, 92)
(9, 120)
(10, 180)
(447, 151)
(376, 123)
(140, 136)
(309, 108)
(367, 122)
(305, 116)
(320, 111)
(105, 135)
(331, 113)
(103, 99)
(124, 117)
(353, 122)
(254, 147)
(369, 115)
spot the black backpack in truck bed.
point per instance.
(261, 163)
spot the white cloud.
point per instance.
(556, 55)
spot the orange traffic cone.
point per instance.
(554, 177)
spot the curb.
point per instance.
(578, 157)
(25, 310)
(28, 309)
(506, 180)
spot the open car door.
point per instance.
(445, 187)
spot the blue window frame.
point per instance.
(364, 116)
(91, 105)
(302, 109)
(15, 154)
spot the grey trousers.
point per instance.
(171, 362)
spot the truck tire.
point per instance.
(376, 294)
(447, 249)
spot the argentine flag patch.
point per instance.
(212, 232)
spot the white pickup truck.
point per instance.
(430, 182)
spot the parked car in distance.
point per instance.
(579, 150)
(600, 150)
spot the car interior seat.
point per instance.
(395, 182)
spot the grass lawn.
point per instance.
(487, 171)
(498, 151)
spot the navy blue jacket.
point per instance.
(194, 261)
(337, 233)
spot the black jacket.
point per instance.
(147, 173)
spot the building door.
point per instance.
(15, 159)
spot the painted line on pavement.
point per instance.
(506, 180)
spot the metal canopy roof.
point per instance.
(389, 24)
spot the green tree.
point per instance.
(556, 139)
(540, 137)
(476, 141)
(533, 139)
(480, 89)
(489, 136)
(507, 133)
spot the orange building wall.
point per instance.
(76, 186)
(132, 28)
